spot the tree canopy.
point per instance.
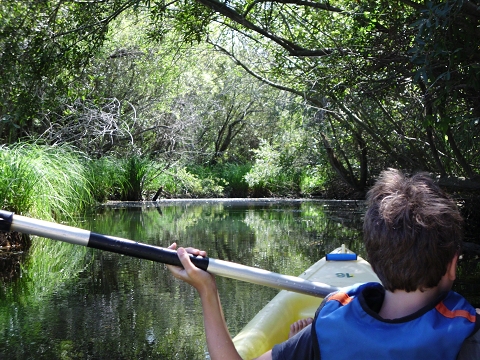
(386, 83)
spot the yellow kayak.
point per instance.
(272, 324)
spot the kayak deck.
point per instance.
(272, 324)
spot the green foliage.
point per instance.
(188, 18)
(134, 173)
(43, 181)
(443, 52)
(59, 181)
(314, 179)
(183, 183)
(234, 177)
(45, 45)
(229, 177)
(265, 172)
(384, 83)
(274, 172)
(293, 165)
(104, 178)
(18, 182)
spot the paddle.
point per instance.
(11, 222)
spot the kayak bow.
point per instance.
(271, 325)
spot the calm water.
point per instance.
(71, 302)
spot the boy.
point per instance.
(413, 235)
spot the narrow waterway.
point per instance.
(71, 302)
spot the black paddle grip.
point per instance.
(140, 250)
(6, 218)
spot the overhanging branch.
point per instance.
(254, 74)
(292, 48)
(312, 4)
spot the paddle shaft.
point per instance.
(11, 222)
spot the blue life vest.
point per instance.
(346, 328)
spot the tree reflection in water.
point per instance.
(73, 302)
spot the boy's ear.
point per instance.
(452, 268)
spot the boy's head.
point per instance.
(412, 230)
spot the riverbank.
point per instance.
(13, 246)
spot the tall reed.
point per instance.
(43, 181)
(135, 173)
(104, 178)
(18, 181)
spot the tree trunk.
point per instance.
(343, 173)
(458, 155)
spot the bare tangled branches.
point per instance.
(115, 127)
(93, 128)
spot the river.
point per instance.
(71, 302)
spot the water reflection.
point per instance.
(77, 303)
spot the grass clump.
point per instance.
(104, 178)
(43, 181)
(135, 172)
(18, 182)
(57, 181)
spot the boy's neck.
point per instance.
(400, 303)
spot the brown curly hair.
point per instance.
(412, 231)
